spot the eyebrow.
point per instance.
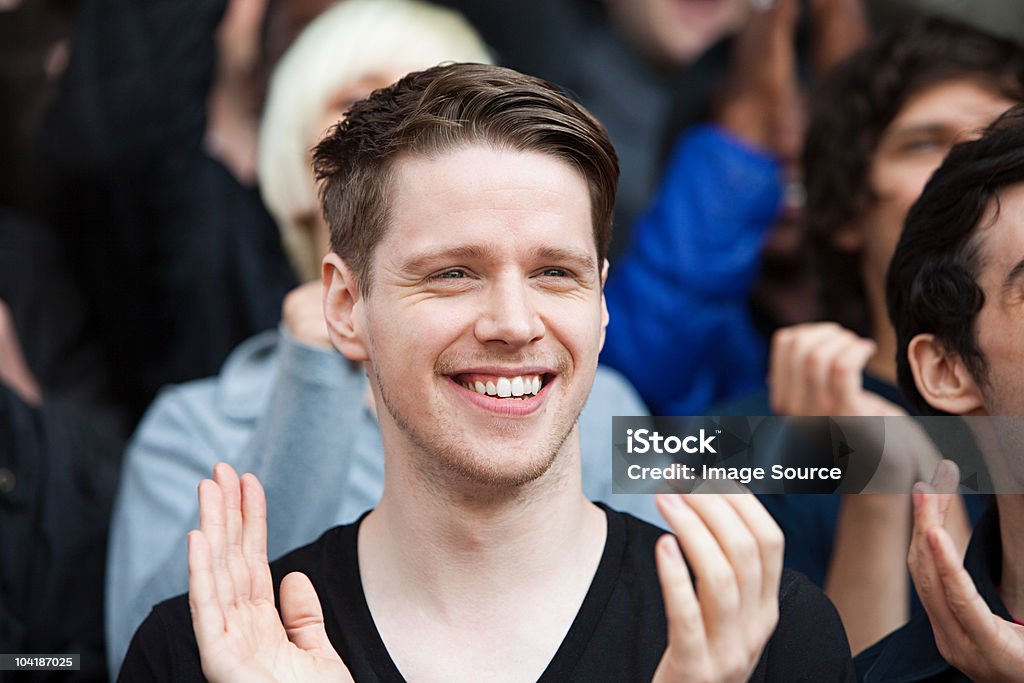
(580, 261)
(911, 128)
(1015, 274)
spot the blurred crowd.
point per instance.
(161, 241)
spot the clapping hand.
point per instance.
(240, 634)
(718, 628)
(980, 644)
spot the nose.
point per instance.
(509, 314)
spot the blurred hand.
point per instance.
(968, 635)
(240, 634)
(303, 315)
(816, 369)
(235, 98)
(717, 631)
(14, 370)
(763, 102)
(840, 28)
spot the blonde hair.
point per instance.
(350, 41)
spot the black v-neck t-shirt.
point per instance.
(618, 635)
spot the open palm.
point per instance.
(240, 634)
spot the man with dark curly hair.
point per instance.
(955, 293)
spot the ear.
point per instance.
(604, 304)
(942, 378)
(344, 309)
(849, 238)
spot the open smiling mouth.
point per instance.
(513, 388)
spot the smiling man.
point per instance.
(470, 212)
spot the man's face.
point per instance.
(485, 314)
(999, 325)
(910, 150)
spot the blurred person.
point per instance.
(645, 68)
(473, 207)
(148, 158)
(954, 292)
(285, 406)
(60, 451)
(34, 46)
(727, 211)
(879, 127)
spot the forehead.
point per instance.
(1001, 242)
(489, 195)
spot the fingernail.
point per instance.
(671, 500)
(670, 548)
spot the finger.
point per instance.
(211, 523)
(822, 360)
(945, 481)
(770, 541)
(207, 612)
(970, 614)
(847, 381)
(231, 492)
(717, 587)
(789, 345)
(254, 539)
(778, 380)
(921, 560)
(790, 348)
(687, 639)
(303, 617)
(736, 541)
(807, 339)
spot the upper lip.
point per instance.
(505, 372)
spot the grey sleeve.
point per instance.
(306, 447)
(611, 395)
(156, 506)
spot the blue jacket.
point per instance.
(681, 329)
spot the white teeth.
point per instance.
(507, 387)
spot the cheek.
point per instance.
(999, 340)
(898, 185)
(580, 328)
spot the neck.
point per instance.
(1011, 535)
(439, 542)
(883, 363)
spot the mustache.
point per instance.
(454, 363)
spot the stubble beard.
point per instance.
(448, 465)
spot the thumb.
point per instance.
(847, 376)
(302, 616)
(945, 482)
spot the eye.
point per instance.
(452, 274)
(924, 145)
(555, 272)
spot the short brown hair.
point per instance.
(438, 110)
